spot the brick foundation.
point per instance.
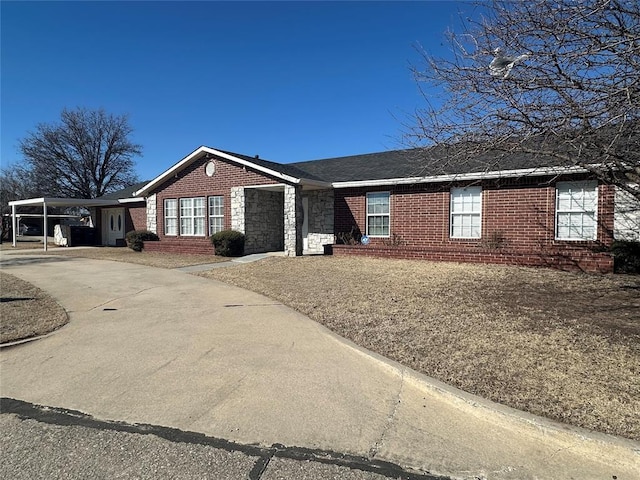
(193, 245)
(561, 258)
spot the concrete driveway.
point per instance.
(162, 347)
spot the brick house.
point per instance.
(517, 210)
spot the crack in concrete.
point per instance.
(261, 465)
(390, 419)
(562, 450)
(123, 296)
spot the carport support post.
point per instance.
(13, 224)
(44, 226)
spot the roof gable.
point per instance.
(279, 171)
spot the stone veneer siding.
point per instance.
(292, 221)
(152, 209)
(237, 209)
(263, 221)
(320, 220)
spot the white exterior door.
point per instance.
(112, 226)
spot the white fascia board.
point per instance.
(264, 186)
(527, 172)
(315, 183)
(131, 200)
(186, 161)
(63, 202)
(27, 201)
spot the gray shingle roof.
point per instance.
(416, 162)
(125, 192)
(286, 168)
(393, 164)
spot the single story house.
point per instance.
(407, 203)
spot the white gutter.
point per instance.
(461, 177)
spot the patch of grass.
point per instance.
(26, 311)
(557, 344)
(151, 259)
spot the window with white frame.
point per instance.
(466, 212)
(576, 206)
(192, 215)
(216, 214)
(378, 214)
(171, 216)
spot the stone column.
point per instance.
(152, 214)
(292, 221)
(237, 209)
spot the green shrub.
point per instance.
(626, 256)
(136, 239)
(228, 243)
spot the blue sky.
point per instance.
(290, 81)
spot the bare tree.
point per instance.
(558, 80)
(86, 155)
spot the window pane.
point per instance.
(186, 207)
(198, 226)
(576, 207)
(466, 212)
(186, 225)
(216, 214)
(378, 209)
(170, 217)
(198, 207)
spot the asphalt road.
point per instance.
(45, 443)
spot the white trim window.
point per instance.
(192, 213)
(170, 216)
(576, 209)
(216, 214)
(466, 212)
(378, 214)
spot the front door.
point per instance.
(112, 226)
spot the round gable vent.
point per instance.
(210, 168)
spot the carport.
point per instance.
(46, 202)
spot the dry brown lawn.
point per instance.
(151, 259)
(26, 311)
(562, 345)
(32, 244)
(557, 344)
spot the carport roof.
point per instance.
(64, 202)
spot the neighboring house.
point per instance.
(518, 210)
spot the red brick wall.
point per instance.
(565, 259)
(520, 214)
(136, 217)
(190, 245)
(193, 182)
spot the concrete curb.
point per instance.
(606, 448)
